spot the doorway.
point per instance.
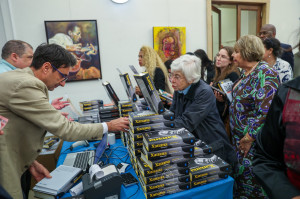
(227, 21)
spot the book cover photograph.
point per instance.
(167, 139)
(176, 151)
(208, 164)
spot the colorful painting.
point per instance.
(81, 39)
(169, 42)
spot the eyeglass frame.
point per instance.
(222, 57)
(63, 75)
(171, 76)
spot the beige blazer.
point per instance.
(24, 101)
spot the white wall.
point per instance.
(285, 15)
(123, 29)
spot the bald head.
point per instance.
(267, 31)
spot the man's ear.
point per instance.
(14, 57)
(46, 67)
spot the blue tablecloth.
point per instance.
(221, 189)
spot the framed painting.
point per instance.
(79, 37)
(169, 42)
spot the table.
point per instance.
(221, 189)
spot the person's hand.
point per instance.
(120, 124)
(245, 144)
(296, 197)
(219, 96)
(38, 171)
(66, 116)
(1, 132)
(57, 104)
(138, 91)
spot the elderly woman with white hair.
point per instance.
(194, 106)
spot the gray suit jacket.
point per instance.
(24, 101)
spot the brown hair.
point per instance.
(229, 69)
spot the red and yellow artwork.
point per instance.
(169, 42)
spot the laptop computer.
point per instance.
(83, 159)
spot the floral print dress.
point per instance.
(252, 98)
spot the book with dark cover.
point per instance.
(176, 151)
(125, 110)
(136, 152)
(125, 79)
(220, 174)
(164, 183)
(208, 165)
(182, 159)
(150, 93)
(209, 179)
(202, 149)
(164, 139)
(146, 171)
(141, 114)
(136, 137)
(165, 176)
(166, 116)
(111, 93)
(153, 127)
(124, 104)
(109, 109)
(109, 115)
(168, 190)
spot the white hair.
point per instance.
(189, 65)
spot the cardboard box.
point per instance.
(48, 160)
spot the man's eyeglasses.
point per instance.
(62, 75)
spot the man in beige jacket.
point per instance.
(25, 102)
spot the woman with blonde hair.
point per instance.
(252, 95)
(149, 58)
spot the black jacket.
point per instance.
(269, 166)
(197, 112)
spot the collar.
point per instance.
(191, 91)
(295, 83)
(2, 61)
(185, 90)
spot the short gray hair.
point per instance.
(189, 65)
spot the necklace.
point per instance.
(252, 69)
(246, 75)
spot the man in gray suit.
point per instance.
(25, 103)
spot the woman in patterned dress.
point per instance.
(252, 95)
(272, 52)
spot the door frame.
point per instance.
(251, 8)
(265, 16)
(215, 9)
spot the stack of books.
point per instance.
(109, 113)
(87, 106)
(164, 163)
